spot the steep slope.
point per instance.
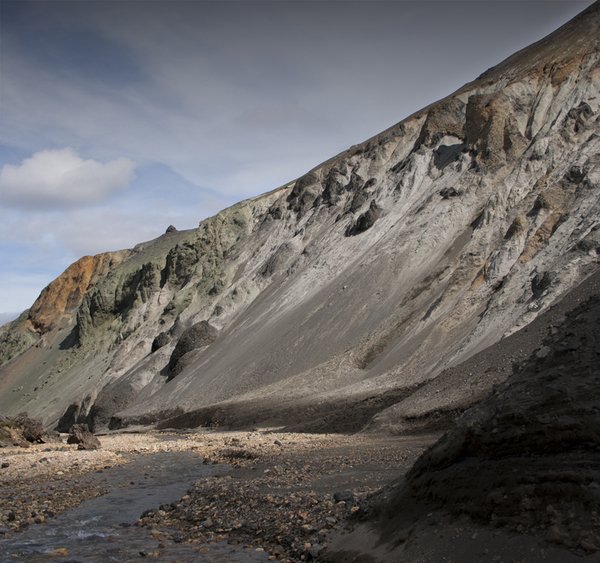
(544, 422)
(348, 290)
(523, 460)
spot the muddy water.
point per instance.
(101, 529)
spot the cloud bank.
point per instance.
(61, 178)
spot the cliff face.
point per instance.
(353, 295)
(57, 303)
(65, 294)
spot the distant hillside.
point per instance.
(7, 317)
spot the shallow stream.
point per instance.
(101, 529)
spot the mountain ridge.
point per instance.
(359, 282)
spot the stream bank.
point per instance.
(207, 496)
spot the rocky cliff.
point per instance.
(58, 302)
(352, 296)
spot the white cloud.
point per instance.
(62, 178)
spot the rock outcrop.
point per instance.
(57, 303)
(80, 434)
(195, 337)
(361, 287)
(65, 294)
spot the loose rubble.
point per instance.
(279, 496)
(287, 493)
(80, 434)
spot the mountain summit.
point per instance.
(379, 290)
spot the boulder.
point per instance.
(31, 429)
(161, 340)
(197, 336)
(80, 434)
(21, 430)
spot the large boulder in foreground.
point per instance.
(80, 434)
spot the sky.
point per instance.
(121, 117)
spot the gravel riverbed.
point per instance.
(283, 495)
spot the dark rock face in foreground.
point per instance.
(528, 457)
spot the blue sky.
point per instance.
(120, 118)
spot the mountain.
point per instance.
(7, 317)
(389, 288)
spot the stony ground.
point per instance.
(45, 479)
(284, 494)
(288, 491)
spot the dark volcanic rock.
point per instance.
(31, 429)
(198, 335)
(171, 229)
(446, 154)
(527, 457)
(541, 283)
(161, 340)
(21, 430)
(68, 418)
(365, 221)
(447, 193)
(334, 187)
(343, 496)
(80, 434)
(359, 198)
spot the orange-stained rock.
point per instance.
(66, 292)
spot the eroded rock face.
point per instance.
(458, 213)
(15, 337)
(364, 221)
(445, 118)
(66, 293)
